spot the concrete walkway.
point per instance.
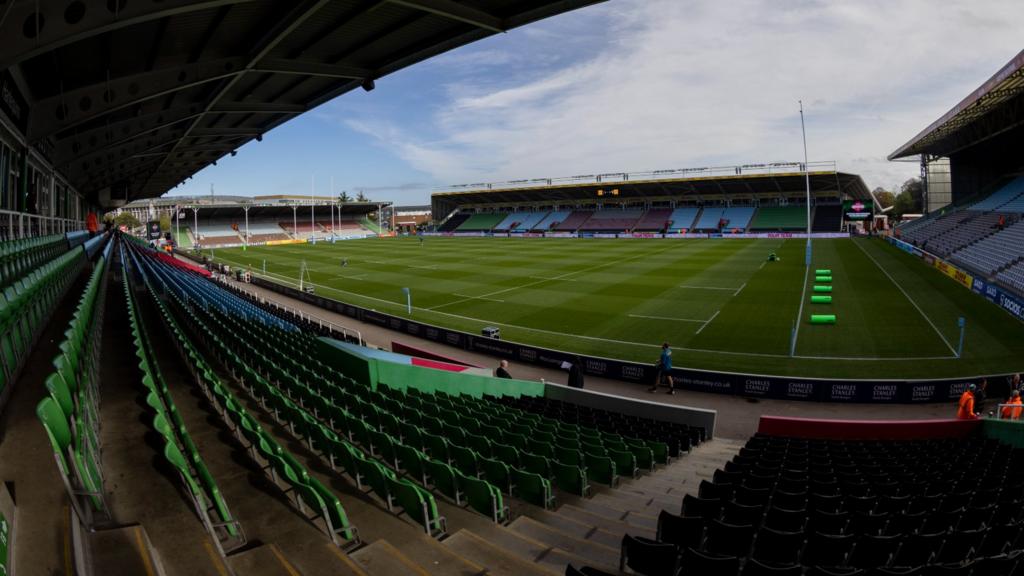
(738, 416)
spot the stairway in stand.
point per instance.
(581, 531)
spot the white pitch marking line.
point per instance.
(556, 279)
(425, 267)
(800, 312)
(709, 288)
(477, 297)
(762, 264)
(357, 277)
(706, 322)
(666, 318)
(738, 290)
(893, 280)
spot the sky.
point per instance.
(639, 85)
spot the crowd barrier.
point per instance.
(998, 295)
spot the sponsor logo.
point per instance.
(883, 392)
(922, 392)
(528, 354)
(596, 366)
(800, 389)
(844, 391)
(756, 387)
(632, 372)
(453, 338)
(857, 206)
(1012, 305)
(956, 389)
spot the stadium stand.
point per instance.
(454, 222)
(551, 220)
(784, 505)
(966, 231)
(1013, 276)
(481, 222)
(613, 220)
(654, 220)
(183, 237)
(683, 218)
(1008, 198)
(827, 218)
(70, 413)
(737, 217)
(993, 253)
(521, 221)
(780, 218)
(574, 220)
(710, 218)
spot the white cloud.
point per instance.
(673, 84)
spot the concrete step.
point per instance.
(438, 559)
(574, 528)
(530, 549)
(618, 513)
(125, 550)
(618, 527)
(497, 561)
(596, 554)
(382, 559)
(645, 503)
(265, 560)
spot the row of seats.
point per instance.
(19, 257)
(179, 450)
(667, 439)
(994, 252)
(786, 505)
(70, 412)
(283, 469)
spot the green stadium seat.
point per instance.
(601, 469)
(571, 478)
(418, 504)
(625, 462)
(533, 488)
(569, 455)
(497, 473)
(445, 480)
(535, 464)
(484, 498)
(464, 460)
(507, 454)
(413, 462)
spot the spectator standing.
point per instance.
(965, 408)
(664, 370)
(502, 370)
(575, 369)
(980, 395)
(1014, 408)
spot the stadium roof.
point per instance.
(138, 96)
(790, 183)
(996, 106)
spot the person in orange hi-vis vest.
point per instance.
(90, 223)
(965, 408)
(1013, 411)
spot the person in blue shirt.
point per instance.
(664, 370)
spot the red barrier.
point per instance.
(167, 258)
(400, 348)
(865, 429)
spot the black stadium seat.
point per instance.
(649, 557)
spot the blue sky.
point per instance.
(635, 85)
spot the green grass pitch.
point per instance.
(719, 303)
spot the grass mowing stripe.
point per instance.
(895, 283)
(672, 319)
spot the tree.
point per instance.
(344, 197)
(914, 188)
(165, 221)
(885, 198)
(127, 219)
(360, 197)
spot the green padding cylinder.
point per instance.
(823, 318)
(818, 288)
(823, 272)
(821, 299)
(822, 278)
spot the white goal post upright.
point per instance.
(807, 182)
